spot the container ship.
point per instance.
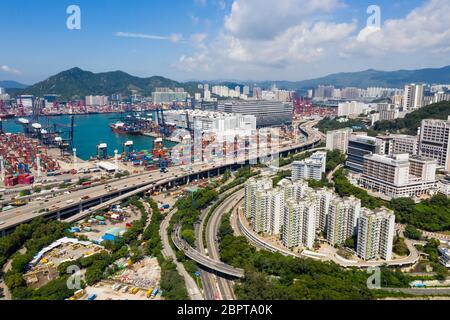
(122, 128)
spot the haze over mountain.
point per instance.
(77, 83)
(9, 84)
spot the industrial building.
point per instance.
(267, 113)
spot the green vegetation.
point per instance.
(431, 215)
(412, 233)
(400, 248)
(334, 159)
(226, 176)
(171, 282)
(24, 193)
(75, 83)
(298, 157)
(412, 121)
(120, 175)
(241, 177)
(328, 124)
(189, 210)
(280, 176)
(345, 189)
(319, 184)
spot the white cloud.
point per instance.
(195, 20)
(426, 27)
(265, 19)
(175, 37)
(7, 69)
(201, 3)
(268, 37)
(270, 33)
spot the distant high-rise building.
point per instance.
(338, 139)
(324, 92)
(246, 90)
(168, 95)
(435, 141)
(353, 108)
(375, 234)
(350, 93)
(413, 97)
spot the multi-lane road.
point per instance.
(69, 204)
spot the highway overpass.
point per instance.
(205, 261)
(95, 198)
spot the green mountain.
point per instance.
(370, 78)
(77, 83)
(9, 84)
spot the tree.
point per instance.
(14, 279)
(189, 236)
(350, 243)
(400, 247)
(412, 233)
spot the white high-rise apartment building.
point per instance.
(251, 188)
(261, 216)
(311, 168)
(435, 141)
(375, 234)
(297, 213)
(299, 228)
(277, 202)
(323, 199)
(413, 97)
(343, 218)
(338, 139)
(353, 108)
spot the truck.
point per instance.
(92, 297)
(78, 294)
(154, 293)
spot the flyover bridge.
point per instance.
(203, 260)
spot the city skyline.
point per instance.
(212, 39)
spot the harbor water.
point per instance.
(91, 130)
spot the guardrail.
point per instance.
(205, 261)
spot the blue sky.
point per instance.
(218, 39)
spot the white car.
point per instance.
(2, 223)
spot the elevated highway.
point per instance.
(81, 203)
(203, 259)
